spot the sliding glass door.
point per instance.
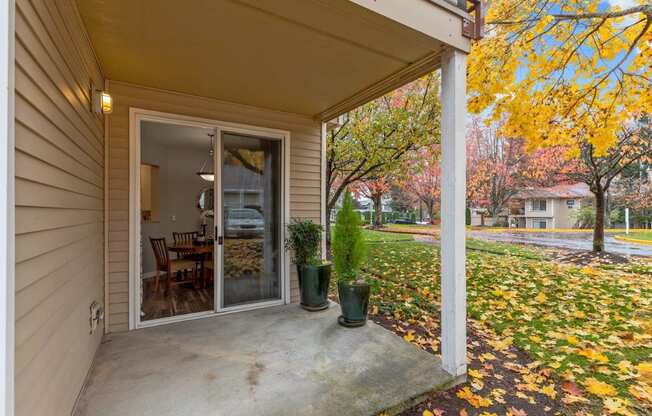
(208, 220)
(249, 189)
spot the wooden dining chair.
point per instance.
(184, 238)
(170, 266)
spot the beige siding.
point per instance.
(565, 216)
(304, 177)
(59, 206)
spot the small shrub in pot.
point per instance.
(304, 242)
(349, 253)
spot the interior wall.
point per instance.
(305, 171)
(59, 207)
(180, 187)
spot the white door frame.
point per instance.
(7, 207)
(136, 116)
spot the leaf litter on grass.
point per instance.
(585, 332)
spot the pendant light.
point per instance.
(208, 174)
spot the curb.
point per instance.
(632, 240)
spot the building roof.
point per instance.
(574, 190)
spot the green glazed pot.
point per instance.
(313, 284)
(354, 301)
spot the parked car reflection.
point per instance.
(244, 222)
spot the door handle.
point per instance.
(220, 239)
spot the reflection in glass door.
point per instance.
(250, 198)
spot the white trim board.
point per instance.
(322, 191)
(136, 116)
(7, 207)
(107, 210)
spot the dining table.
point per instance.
(201, 251)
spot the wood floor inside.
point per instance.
(184, 298)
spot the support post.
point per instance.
(453, 205)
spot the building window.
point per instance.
(570, 203)
(541, 223)
(539, 204)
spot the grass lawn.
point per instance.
(639, 235)
(504, 249)
(381, 237)
(589, 328)
(413, 228)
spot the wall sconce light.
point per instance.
(102, 102)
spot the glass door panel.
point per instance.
(176, 216)
(250, 193)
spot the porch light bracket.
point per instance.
(208, 174)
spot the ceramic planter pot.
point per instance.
(313, 286)
(354, 301)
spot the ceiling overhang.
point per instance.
(311, 57)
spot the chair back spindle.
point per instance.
(160, 249)
(185, 239)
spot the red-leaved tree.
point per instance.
(499, 167)
(422, 178)
(373, 189)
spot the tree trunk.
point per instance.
(598, 229)
(431, 211)
(378, 210)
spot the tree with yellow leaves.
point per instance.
(564, 72)
(633, 145)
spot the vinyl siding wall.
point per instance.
(305, 179)
(59, 206)
(564, 216)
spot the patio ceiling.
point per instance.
(312, 57)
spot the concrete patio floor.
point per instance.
(275, 361)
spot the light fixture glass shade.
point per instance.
(107, 103)
(101, 102)
(207, 176)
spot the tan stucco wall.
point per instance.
(59, 207)
(305, 168)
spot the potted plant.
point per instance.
(304, 240)
(349, 253)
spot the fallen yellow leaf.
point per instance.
(475, 373)
(641, 392)
(594, 355)
(599, 388)
(645, 371)
(473, 399)
(572, 340)
(617, 406)
(541, 297)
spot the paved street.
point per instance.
(579, 241)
